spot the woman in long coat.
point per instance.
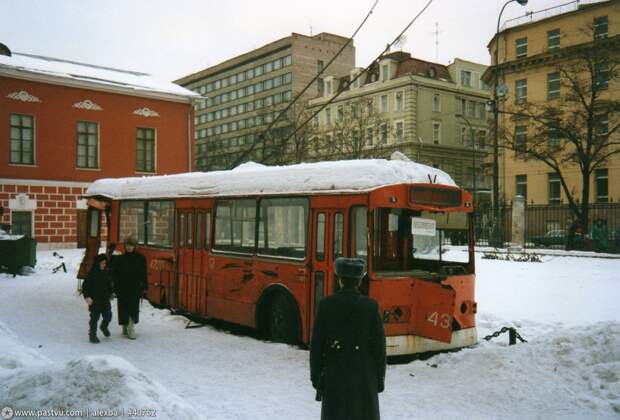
(130, 285)
(347, 354)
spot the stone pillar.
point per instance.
(518, 223)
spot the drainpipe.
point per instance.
(189, 136)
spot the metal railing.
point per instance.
(530, 17)
(551, 226)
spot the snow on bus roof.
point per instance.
(253, 178)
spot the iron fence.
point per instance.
(549, 226)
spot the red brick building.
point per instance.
(65, 124)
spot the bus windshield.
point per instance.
(407, 240)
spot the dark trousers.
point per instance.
(95, 313)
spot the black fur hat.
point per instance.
(352, 268)
(98, 259)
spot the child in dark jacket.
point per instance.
(97, 290)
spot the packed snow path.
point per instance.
(566, 307)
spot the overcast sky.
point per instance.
(172, 38)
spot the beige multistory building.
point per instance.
(428, 111)
(246, 93)
(534, 54)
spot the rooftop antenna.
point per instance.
(310, 27)
(400, 43)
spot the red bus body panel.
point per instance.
(196, 279)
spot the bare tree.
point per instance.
(292, 145)
(578, 123)
(212, 157)
(358, 132)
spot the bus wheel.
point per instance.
(282, 327)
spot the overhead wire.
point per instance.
(300, 94)
(365, 70)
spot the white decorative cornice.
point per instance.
(22, 202)
(23, 96)
(146, 112)
(87, 104)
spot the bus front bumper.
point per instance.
(410, 344)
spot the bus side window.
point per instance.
(199, 230)
(359, 232)
(207, 229)
(320, 237)
(338, 235)
(181, 230)
(95, 220)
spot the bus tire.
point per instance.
(281, 326)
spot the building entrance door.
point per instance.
(81, 228)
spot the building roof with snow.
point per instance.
(89, 76)
(347, 176)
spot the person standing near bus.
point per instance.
(129, 273)
(97, 291)
(347, 350)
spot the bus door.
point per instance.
(185, 281)
(193, 227)
(328, 244)
(201, 258)
(93, 232)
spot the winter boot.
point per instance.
(93, 338)
(130, 332)
(125, 330)
(104, 329)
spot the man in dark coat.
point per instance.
(130, 285)
(97, 291)
(347, 353)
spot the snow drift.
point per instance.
(99, 382)
(567, 373)
(566, 307)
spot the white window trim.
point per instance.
(438, 124)
(34, 141)
(372, 143)
(596, 179)
(396, 140)
(155, 141)
(383, 76)
(463, 71)
(437, 95)
(402, 95)
(517, 45)
(387, 135)
(87, 168)
(387, 103)
(32, 221)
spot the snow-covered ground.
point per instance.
(566, 307)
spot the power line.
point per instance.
(365, 70)
(290, 104)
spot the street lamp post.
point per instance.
(496, 120)
(473, 153)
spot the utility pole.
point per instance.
(495, 234)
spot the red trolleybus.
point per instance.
(256, 245)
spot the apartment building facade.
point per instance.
(428, 111)
(65, 124)
(246, 93)
(536, 56)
